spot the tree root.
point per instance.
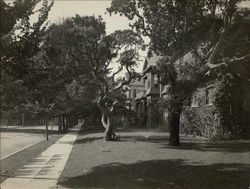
(113, 137)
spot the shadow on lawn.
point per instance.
(233, 146)
(191, 144)
(187, 143)
(174, 174)
(87, 140)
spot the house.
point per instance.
(132, 91)
(147, 101)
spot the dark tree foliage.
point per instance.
(215, 32)
(79, 49)
(19, 42)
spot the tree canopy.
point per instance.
(20, 40)
(215, 32)
(82, 55)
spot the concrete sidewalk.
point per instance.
(46, 169)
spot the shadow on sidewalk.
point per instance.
(174, 174)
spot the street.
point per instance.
(44, 170)
(14, 139)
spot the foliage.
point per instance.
(19, 42)
(232, 95)
(201, 122)
(215, 33)
(81, 55)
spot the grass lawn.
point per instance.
(145, 160)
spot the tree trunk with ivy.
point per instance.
(174, 126)
(174, 106)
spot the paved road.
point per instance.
(14, 139)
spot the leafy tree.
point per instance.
(214, 31)
(19, 42)
(54, 74)
(80, 46)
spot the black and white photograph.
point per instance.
(125, 94)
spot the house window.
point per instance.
(194, 100)
(209, 100)
(134, 93)
(148, 84)
(155, 79)
(129, 93)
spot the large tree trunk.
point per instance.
(108, 122)
(174, 125)
(175, 108)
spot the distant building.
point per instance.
(144, 102)
(132, 90)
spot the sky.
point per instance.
(63, 9)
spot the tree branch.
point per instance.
(144, 25)
(125, 82)
(113, 75)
